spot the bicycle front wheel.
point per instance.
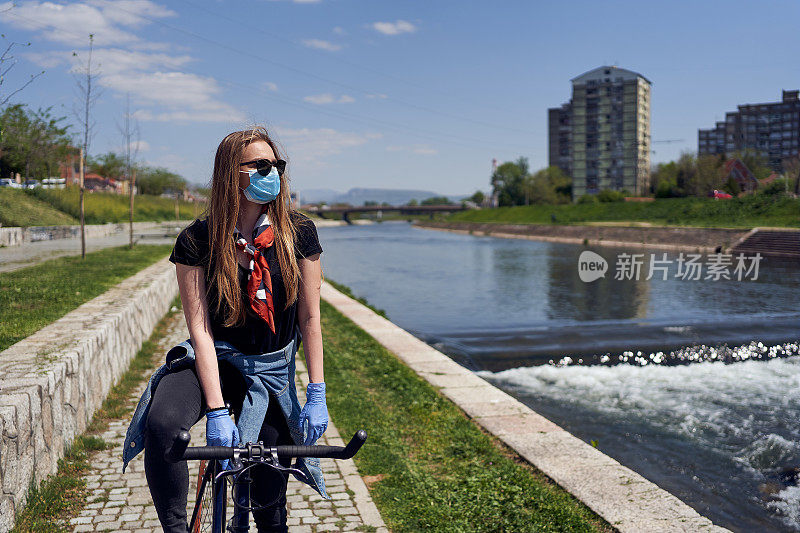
(208, 515)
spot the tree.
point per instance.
(158, 181)
(477, 198)
(34, 143)
(436, 200)
(85, 81)
(508, 182)
(549, 186)
(7, 62)
(791, 169)
(109, 165)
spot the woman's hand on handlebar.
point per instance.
(221, 431)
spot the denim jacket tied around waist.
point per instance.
(266, 373)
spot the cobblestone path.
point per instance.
(122, 502)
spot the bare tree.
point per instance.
(7, 62)
(130, 136)
(85, 81)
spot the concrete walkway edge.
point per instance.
(625, 499)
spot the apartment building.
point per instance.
(601, 137)
(771, 130)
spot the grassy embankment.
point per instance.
(20, 209)
(60, 497)
(101, 207)
(745, 212)
(429, 467)
(33, 297)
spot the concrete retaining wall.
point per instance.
(705, 240)
(52, 382)
(14, 236)
(625, 499)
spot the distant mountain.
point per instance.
(313, 196)
(359, 195)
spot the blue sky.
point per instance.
(392, 94)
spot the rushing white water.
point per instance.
(748, 411)
(638, 365)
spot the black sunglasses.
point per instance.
(264, 166)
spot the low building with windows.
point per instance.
(771, 130)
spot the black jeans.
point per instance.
(178, 402)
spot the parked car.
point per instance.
(8, 182)
(31, 184)
(721, 195)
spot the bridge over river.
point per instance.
(345, 211)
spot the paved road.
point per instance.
(122, 502)
(31, 253)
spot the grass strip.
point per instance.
(745, 212)
(60, 497)
(33, 297)
(20, 209)
(429, 467)
(347, 291)
(104, 207)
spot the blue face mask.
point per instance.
(262, 189)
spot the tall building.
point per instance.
(601, 137)
(771, 130)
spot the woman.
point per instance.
(249, 278)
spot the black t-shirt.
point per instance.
(254, 336)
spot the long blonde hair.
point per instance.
(223, 211)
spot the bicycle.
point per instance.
(210, 507)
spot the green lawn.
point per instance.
(745, 212)
(33, 297)
(20, 209)
(431, 468)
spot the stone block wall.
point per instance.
(52, 382)
(14, 236)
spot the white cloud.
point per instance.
(416, 149)
(338, 30)
(136, 147)
(270, 86)
(111, 60)
(425, 150)
(328, 98)
(141, 68)
(319, 44)
(308, 146)
(186, 97)
(380, 96)
(394, 28)
(109, 21)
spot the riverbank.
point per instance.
(746, 212)
(703, 240)
(428, 467)
(396, 369)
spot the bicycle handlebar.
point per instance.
(180, 452)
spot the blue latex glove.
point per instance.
(315, 411)
(221, 431)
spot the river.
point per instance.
(695, 384)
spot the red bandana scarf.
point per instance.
(259, 283)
